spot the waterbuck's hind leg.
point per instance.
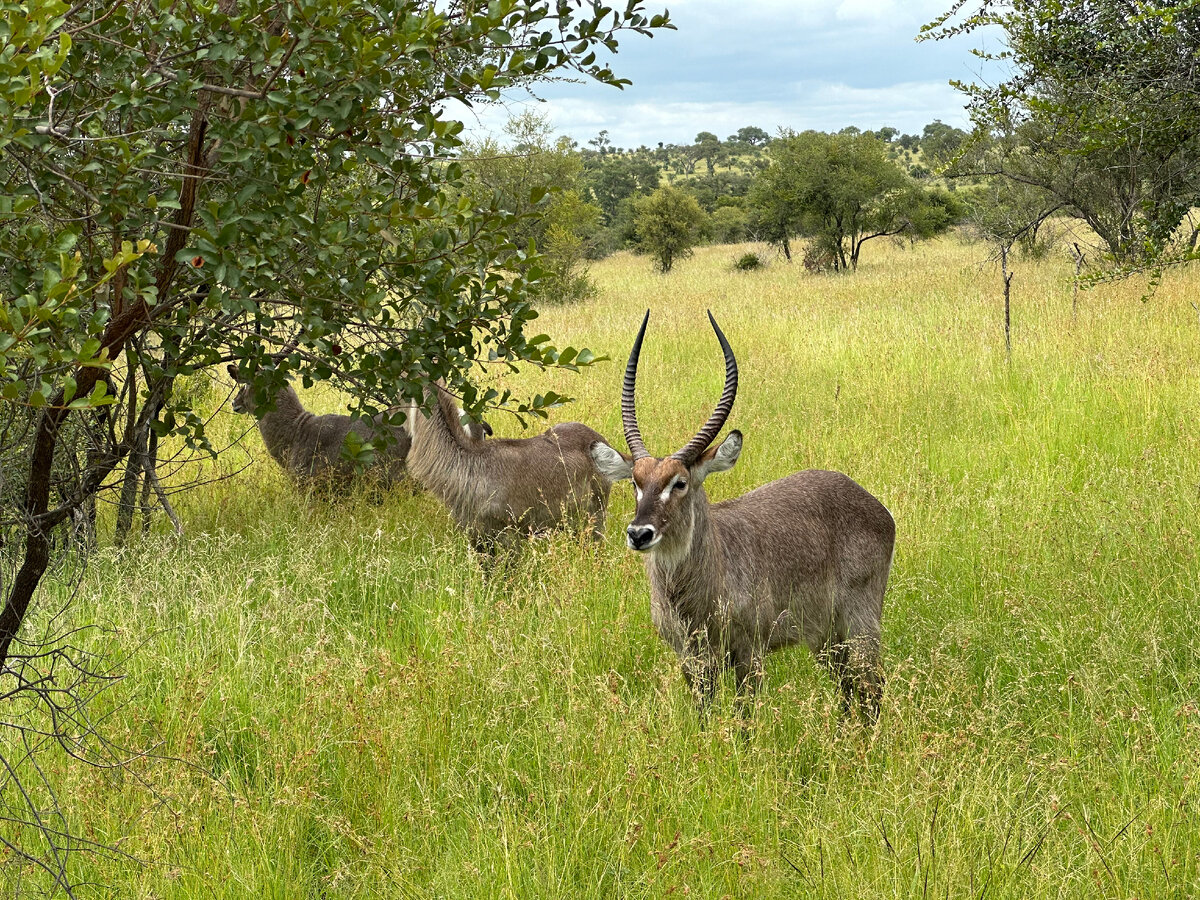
(702, 681)
(865, 672)
(836, 658)
(855, 667)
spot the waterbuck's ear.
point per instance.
(610, 463)
(720, 458)
(232, 370)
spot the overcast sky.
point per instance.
(797, 64)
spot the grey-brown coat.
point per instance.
(804, 559)
(309, 447)
(503, 488)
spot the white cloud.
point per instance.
(770, 63)
(762, 15)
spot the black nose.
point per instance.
(640, 536)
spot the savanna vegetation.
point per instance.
(333, 699)
(214, 682)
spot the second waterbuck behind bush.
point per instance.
(310, 447)
(804, 559)
(503, 488)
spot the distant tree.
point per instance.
(539, 174)
(669, 224)
(609, 180)
(843, 191)
(601, 142)
(751, 135)
(886, 134)
(1007, 215)
(775, 214)
(728, 224)
(1010, 215)
(723, 189)
(709, 148)
(941, 142)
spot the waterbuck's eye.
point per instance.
(680, 486)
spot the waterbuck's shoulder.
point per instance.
(830, 496)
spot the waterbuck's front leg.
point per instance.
(701, 671)
(748, 672)
(697, 657)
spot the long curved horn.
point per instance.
(633, 437)
(712, 427)
(291, 345)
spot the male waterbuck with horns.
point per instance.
(802, 559)
(503, 488)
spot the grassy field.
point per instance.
(340, 705)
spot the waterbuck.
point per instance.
(502, 488)
(802, 559)
(309, 447)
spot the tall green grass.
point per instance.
(341, 704)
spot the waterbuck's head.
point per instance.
(243, 400)
(670, 489)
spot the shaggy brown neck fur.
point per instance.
(281, 426)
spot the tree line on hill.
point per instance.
(1095, 134)
(841, 190)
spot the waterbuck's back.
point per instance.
(534, 483)
(316, 451)
(815, 544)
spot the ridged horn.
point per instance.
(706, 435)
(633, 437)
(287, 349)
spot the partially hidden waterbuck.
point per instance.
(501, 489)
(802, 559)
(309, 447)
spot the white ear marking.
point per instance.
(725, 457)
(609, 463)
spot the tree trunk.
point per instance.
(149, 464)
(1079, 258)
(118, 331)
(129, 484)
(37, 538)
(1007, 301)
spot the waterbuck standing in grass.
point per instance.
(309, 447)
(802, 559)
(504, 488)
